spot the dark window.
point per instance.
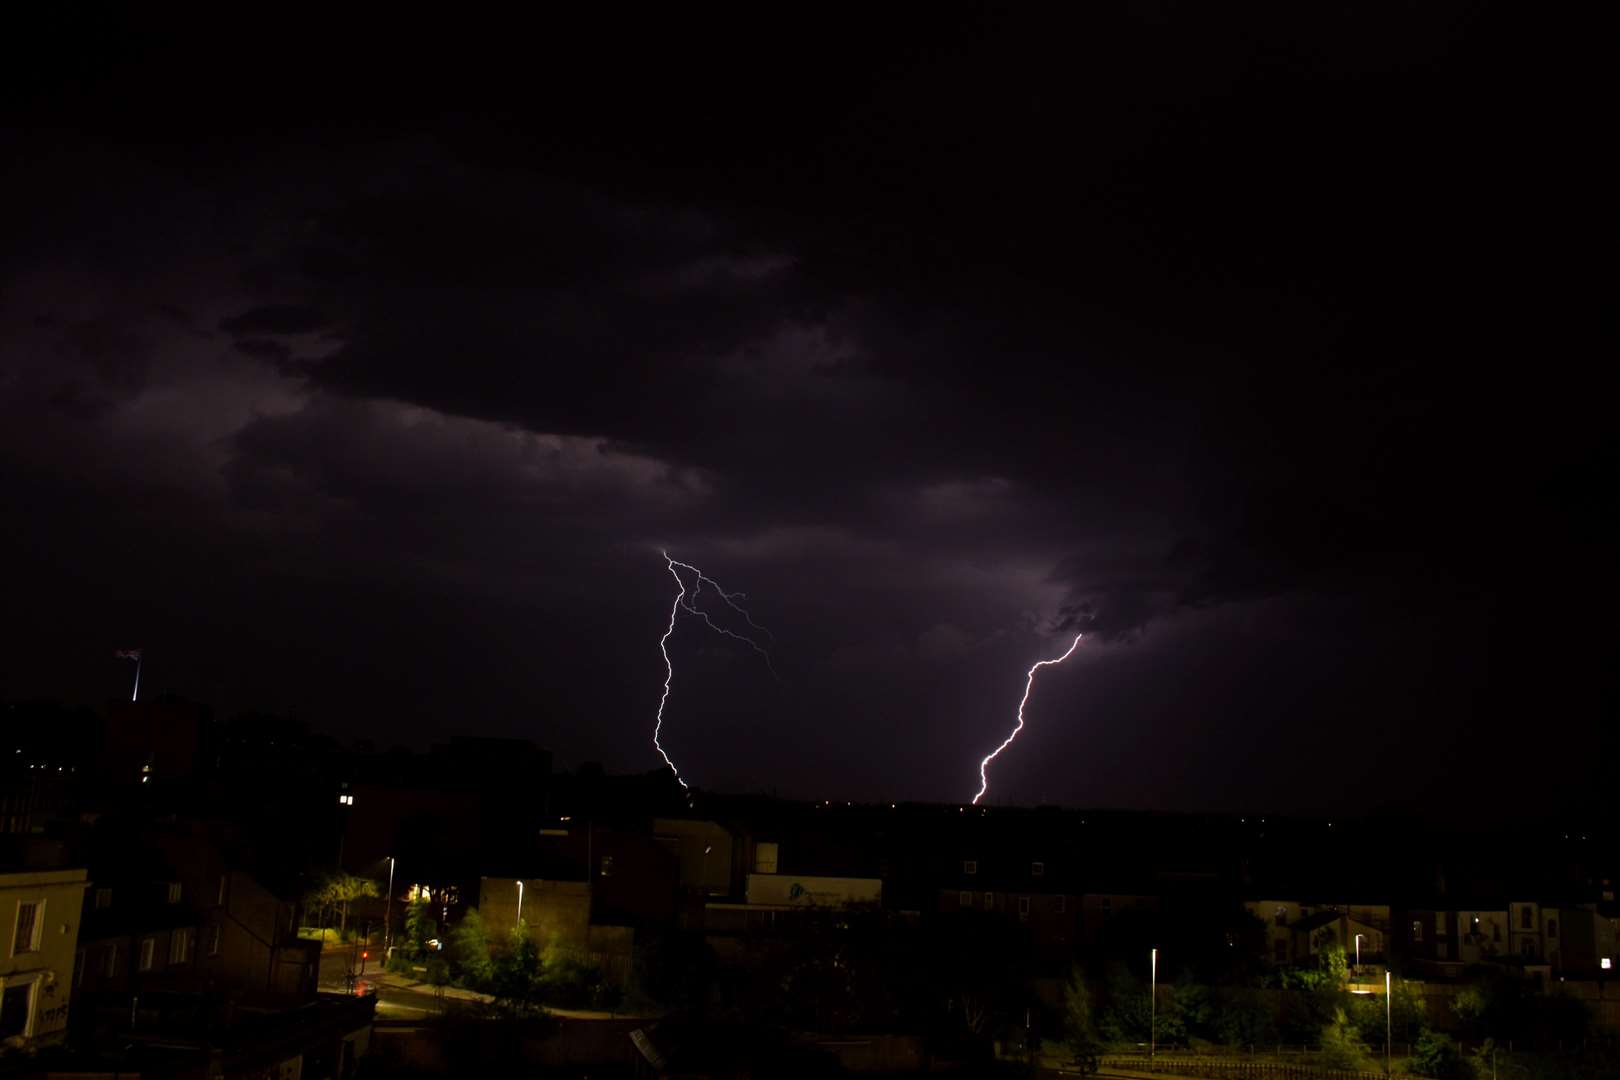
(1527, 918)
(27, 939)
(1062, 904)
(1281, 916)
(1037, 869)
(607, 866)
(965, 900)
(214, 933)
(14, 1010)
(1552, 927)
(1417, 930)
(1279, 951)
(1023, 907)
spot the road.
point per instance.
(403, 997)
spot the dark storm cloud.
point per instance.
(1174, 328)
(275, 319)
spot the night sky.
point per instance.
(360, 373)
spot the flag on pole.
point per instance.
(128, 654)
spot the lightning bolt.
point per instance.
(687, 602)
(1029, 684)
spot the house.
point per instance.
(39, 932)
(1281, 916)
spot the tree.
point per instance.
(1437, 1056)
(1190, 1012)
(1078, 1027)
(516, 979)
(470, 962)
(420, 926)
(338, 892)
(1341, 1048)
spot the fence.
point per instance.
(1236, 1070)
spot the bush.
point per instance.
(1341, 1048)
(1437, 1056)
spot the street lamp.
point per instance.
(1358, 949)
(388, 910)
(1153, 1005)
(1389, 1021)
(520, 904)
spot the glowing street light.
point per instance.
(1389, 1021)
(1153, 1002)
(1358, 949)
(520, 904)
(388, 910)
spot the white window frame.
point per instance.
(179, 947)
(964, 899)
(1023, 907)
(175, 891)
(148, 954)
(35, 932)
(1037, 869)
(970, 866)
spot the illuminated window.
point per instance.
(1037, 869)
(607, 866)
(174, 892)
(965, 900)
(28, 927)
(179, 946)
(1439, 924)
(1605, 963)
(148, 951)
(970, 866)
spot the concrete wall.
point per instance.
(708, 872)
(46, 972)
(551, 909)
(809, 891)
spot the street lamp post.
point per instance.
(388, 911)
(1358, 949)
(1389, 1020)
(520, 904)
(1153, 1006)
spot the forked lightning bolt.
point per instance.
(1029, 684)
(688, 603)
